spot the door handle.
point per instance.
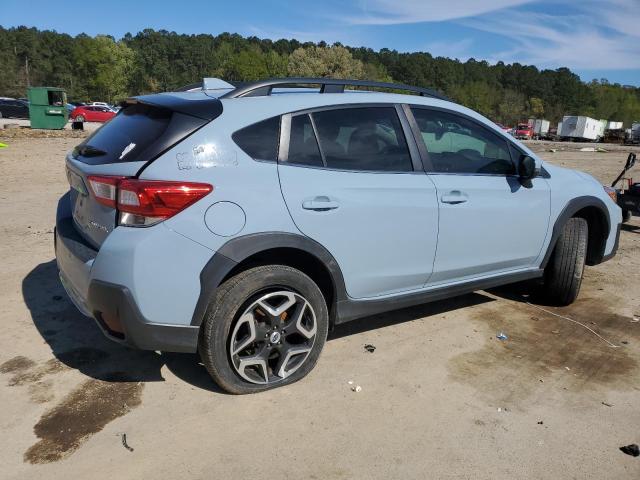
(320, 204)
(454, 197)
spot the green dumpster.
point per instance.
(47, 107)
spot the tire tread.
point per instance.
(563, 275)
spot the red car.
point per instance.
(524, 131)
(90, 113)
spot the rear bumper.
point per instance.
(111, 305)
(109, 301)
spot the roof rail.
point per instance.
(263, 88)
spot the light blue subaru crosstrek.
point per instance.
(245, 222)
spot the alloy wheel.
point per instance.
(273, 337)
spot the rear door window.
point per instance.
(260, 140)
(363, 139)
(303, 145)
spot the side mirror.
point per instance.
(526, 170)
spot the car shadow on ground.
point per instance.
(77, 342)
(627, 227)
(407, 315)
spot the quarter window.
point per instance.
(369, 139)
(260, 140)
(458, 145)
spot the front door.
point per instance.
(489, 223)
(358, 193)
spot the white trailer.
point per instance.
(580, 128)
(602, 129)
(541, 128)
(614, 125)
(634, 134)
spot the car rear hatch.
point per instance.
(145, 128)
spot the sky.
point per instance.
(594, 38)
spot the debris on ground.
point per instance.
(552, 150)
(356, 389)
(125, 444)
(3, 145)
(632, 450)
(370, 348)
(502, 336)
(555, 332)
(601, 150)
(607, 404)
(540, 422)
(588, 149)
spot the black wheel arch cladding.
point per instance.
(254, 249)
(596, 213)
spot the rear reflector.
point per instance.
(146, 202)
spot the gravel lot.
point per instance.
(441, 396)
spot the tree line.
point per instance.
(109, 69)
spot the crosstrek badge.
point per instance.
(126, 150)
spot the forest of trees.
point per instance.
(108, 69)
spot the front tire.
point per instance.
(264, 328)
(563, 274)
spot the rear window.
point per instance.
(138, 132)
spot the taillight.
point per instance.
(147, 202)
(143, 203)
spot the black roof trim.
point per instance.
(327, 85)
(201, 106)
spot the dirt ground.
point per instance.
(441, 396)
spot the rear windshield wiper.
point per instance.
(89, 151)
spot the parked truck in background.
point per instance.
(615, 132)
(524, 131)
(580, 128)
(541, 129)
(633, 134)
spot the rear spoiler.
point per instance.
(195, 104)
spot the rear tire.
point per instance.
(563, 274)
(264, 328)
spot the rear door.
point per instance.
(489, 223)
(351, 182)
